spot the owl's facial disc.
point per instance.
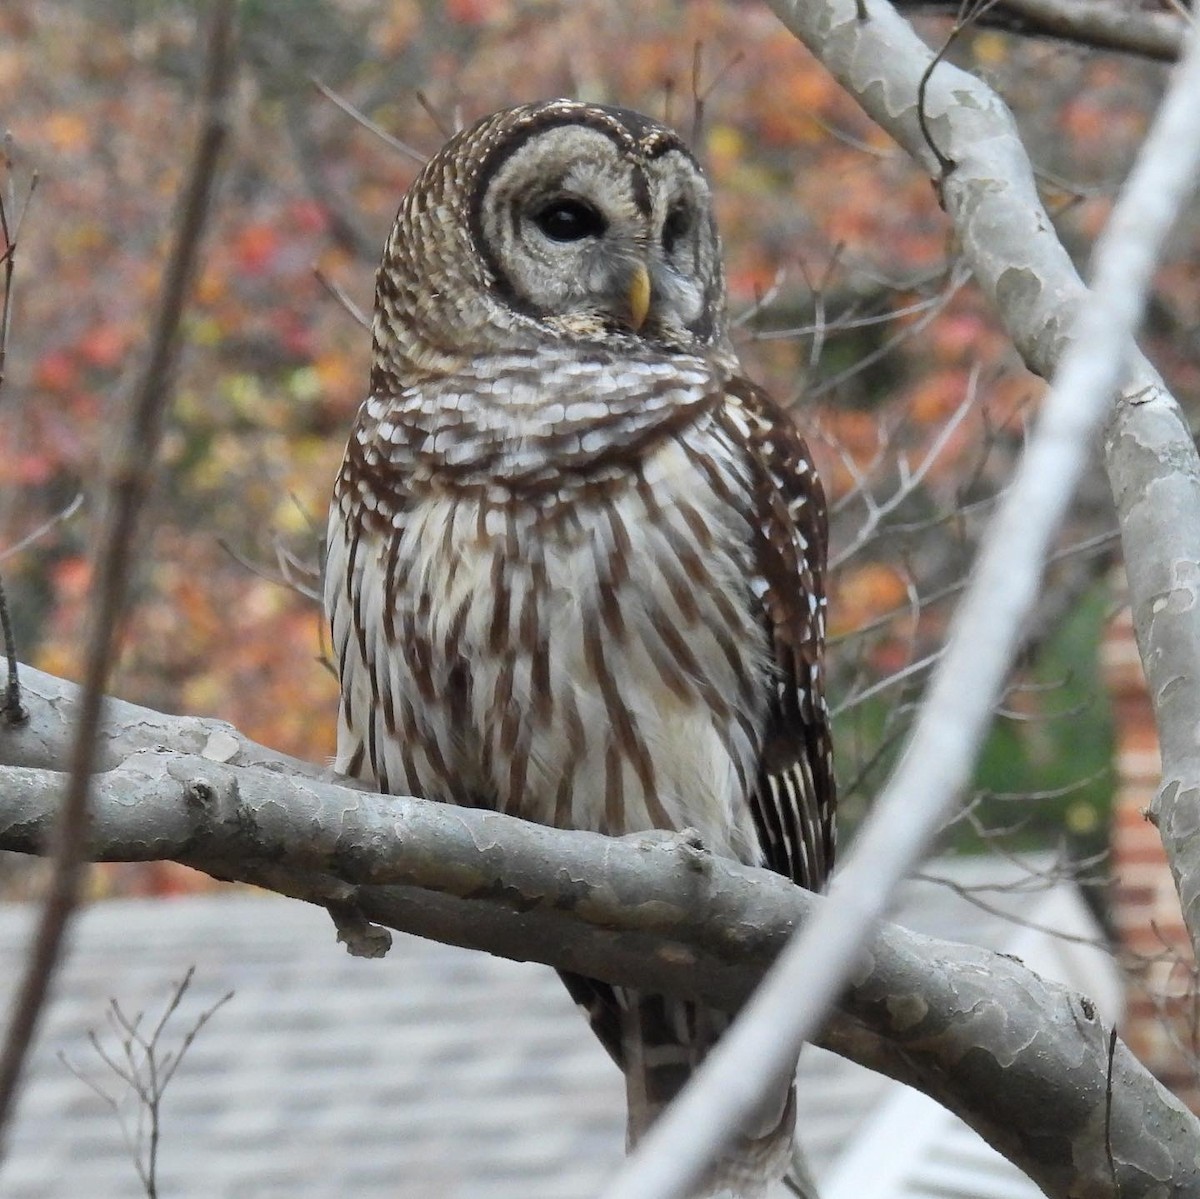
(587, 235)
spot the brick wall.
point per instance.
(1162, 1023)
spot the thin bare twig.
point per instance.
(957, 279)
(345, 223)
(12, 711)
(339, 293)
(129, 484)
(288, 567)
(971, 896)
(844, 323)
(1112, 1165)
(35, 535)
(446, 127)
(147, 1070)
(10, 230)
(365, 121)
(1101, 545)
(910, 480)
(700, 94)
(969, 13)
(905, 674)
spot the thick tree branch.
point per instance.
(1150, 453)
(962, 132)
(1098, 24)
(1022, 1060)
(1156, 483)
(1103, 25)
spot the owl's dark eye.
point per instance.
(677, 225)
(569, 220)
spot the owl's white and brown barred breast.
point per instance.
(561, 614)
(575, 560)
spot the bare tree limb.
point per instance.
(1097, 24)
(964, 134)
(128, 485)
(11, 709)
(1156, 482)
(1150, 453)
(1025, 1062)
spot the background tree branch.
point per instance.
(1097, 24)
(976, 1030)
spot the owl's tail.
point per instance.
(662, 1042)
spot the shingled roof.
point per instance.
(437, 1073)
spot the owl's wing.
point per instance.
(362, 572)
(795, 797)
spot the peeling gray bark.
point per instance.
(1023, 1061)
(1155, 478)
(1015, 1058)
(1101, 24)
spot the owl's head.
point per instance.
(562, 220)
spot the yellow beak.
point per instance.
(638, 296)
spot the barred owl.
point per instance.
(575, 560)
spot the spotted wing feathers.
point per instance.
(795, 796)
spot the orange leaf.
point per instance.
(339, 377)
(865, 595)
(103, 345)
(308, 216)
(255, 248)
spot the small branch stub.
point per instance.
(361, 938)
(199, 793)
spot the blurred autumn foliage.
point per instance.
(841, 272)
